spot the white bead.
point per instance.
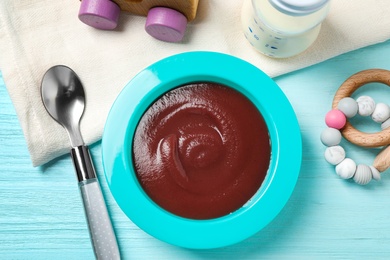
(381, 113)
(346, 169)
(334, 154)
(366, 105)
(362, 175)
(385, 124)
(330, 136)
(348, 106)
(376, 175)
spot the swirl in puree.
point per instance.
(201, 151)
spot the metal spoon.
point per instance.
(63, 97)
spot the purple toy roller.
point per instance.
(166, 24)
(101, 14)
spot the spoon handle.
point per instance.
(102, 234)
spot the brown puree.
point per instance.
(201, 151)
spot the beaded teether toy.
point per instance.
(345, 107)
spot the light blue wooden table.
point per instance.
(41, 214)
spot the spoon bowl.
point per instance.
(64, 98)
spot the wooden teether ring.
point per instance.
(382, 162)
(346, 89)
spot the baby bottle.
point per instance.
(282, 28)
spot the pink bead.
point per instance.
(335, 119)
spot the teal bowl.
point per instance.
(165, 75)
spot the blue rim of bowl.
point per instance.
(167, 74)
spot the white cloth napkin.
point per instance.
(37, 34)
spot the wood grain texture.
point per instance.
(382, 160)
(142, 7)
(41, 214)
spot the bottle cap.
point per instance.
(166, 24)
(101, 14)
(298, 7)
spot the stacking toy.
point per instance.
(166, 19)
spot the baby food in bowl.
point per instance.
(201, 151)
(201, 155)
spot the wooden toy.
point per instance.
(355, 136)
(166, 19)
(345, 107)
